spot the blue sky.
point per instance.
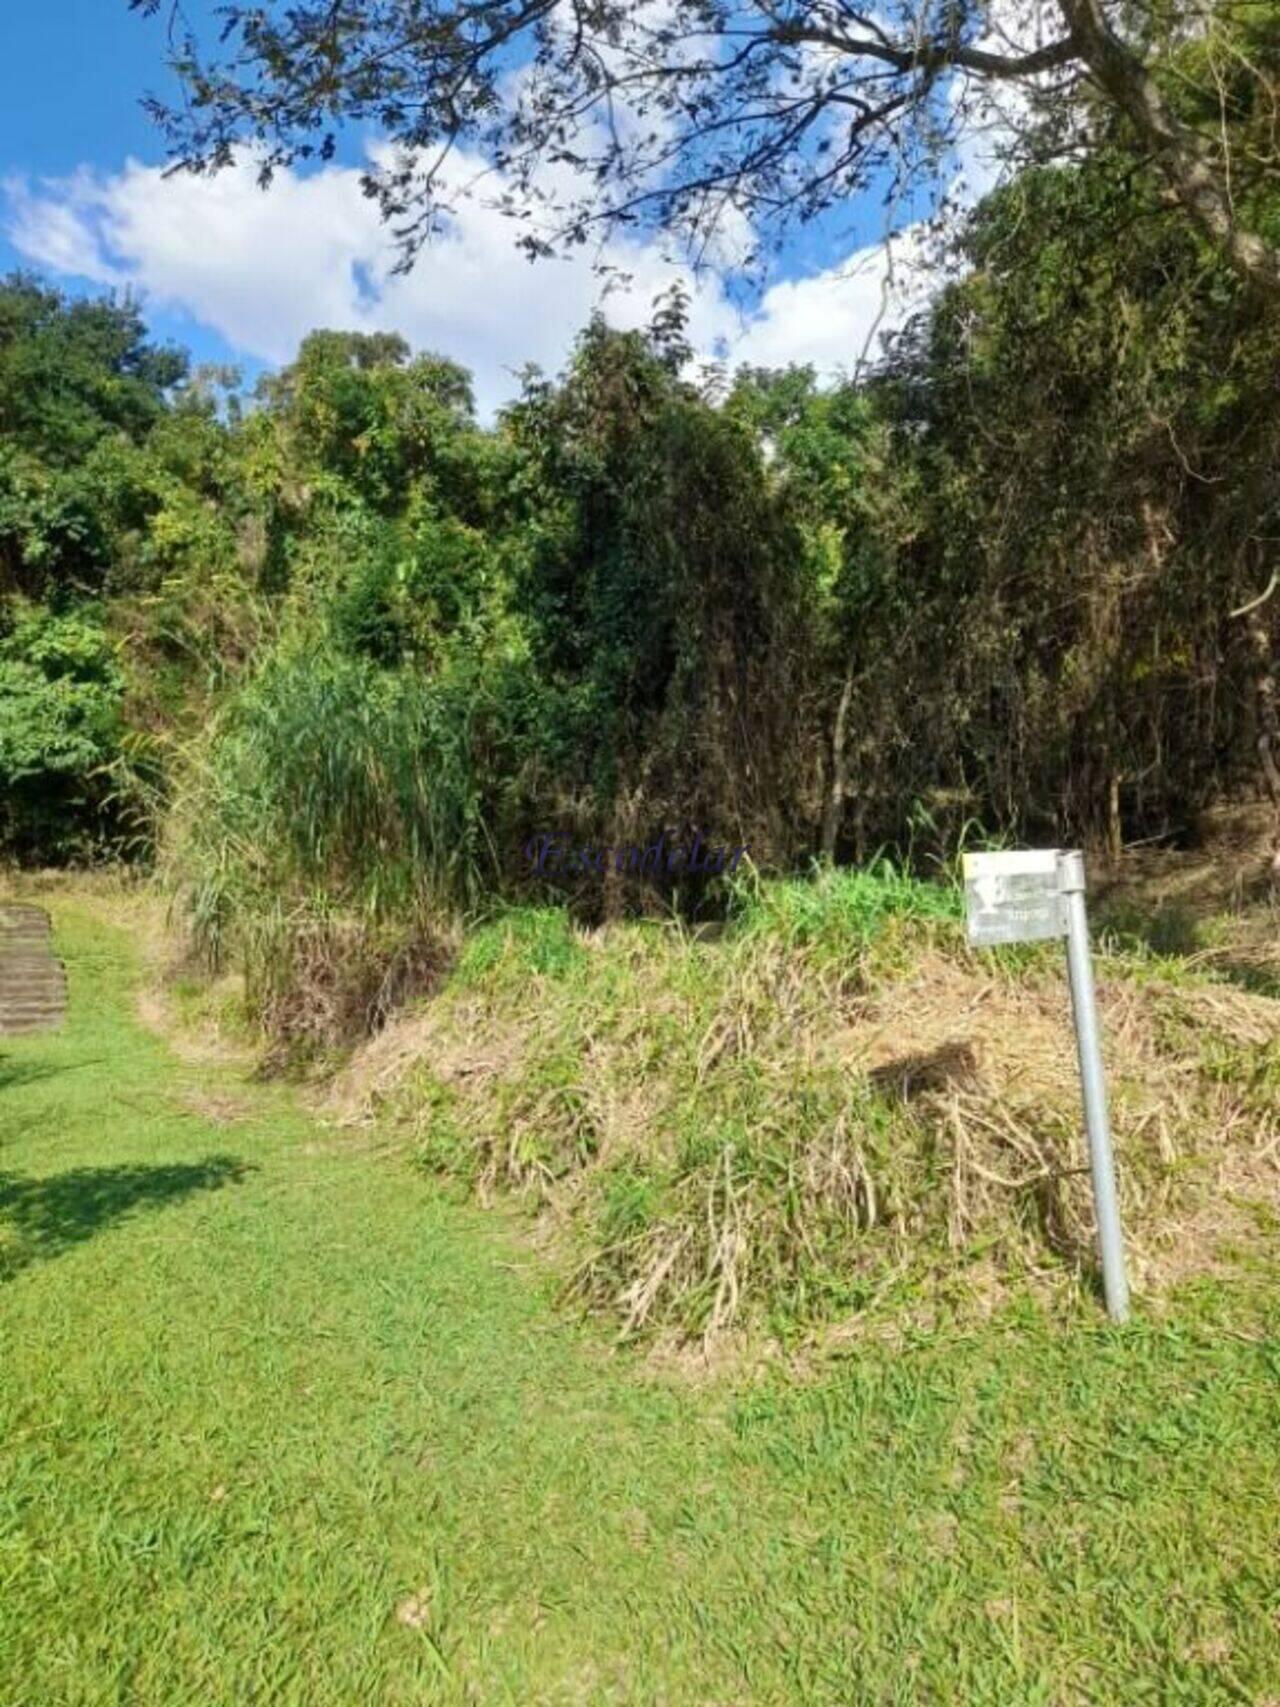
(72, 74)
(237, 276)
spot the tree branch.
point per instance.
(1180, 155)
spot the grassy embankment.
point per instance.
(834, 1112)
(280, 1423)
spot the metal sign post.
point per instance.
(1093, 1086)
(1032, 895)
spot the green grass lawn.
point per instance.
(279, 1423)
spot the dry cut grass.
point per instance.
(800, 1125)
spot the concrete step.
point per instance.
(33, 982)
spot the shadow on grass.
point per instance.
(39, 1218)
(15, 1074)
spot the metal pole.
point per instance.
(1093, 1085)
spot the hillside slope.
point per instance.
(833, 1104)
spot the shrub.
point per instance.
(60, 727)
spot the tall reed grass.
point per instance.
(331, 802)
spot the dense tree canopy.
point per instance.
(339, 647)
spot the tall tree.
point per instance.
(691, 116)
(73, 372)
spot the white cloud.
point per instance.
(262, 269)
(50, 230)
(828, 317)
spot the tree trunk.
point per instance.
(1115, 826)
(1267, 713)
(1188, 168)
(834, 813)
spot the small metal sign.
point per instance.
(1026, 896)
(1013, 897)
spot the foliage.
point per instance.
(1095, 476)
(81, 389)
(832, 1110)
(834, 911)
(371, 647)
(74, 372)
(60, 727)
(664, 629)
(328, 791)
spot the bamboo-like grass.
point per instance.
(323, 830)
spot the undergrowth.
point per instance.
(833, 1106)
